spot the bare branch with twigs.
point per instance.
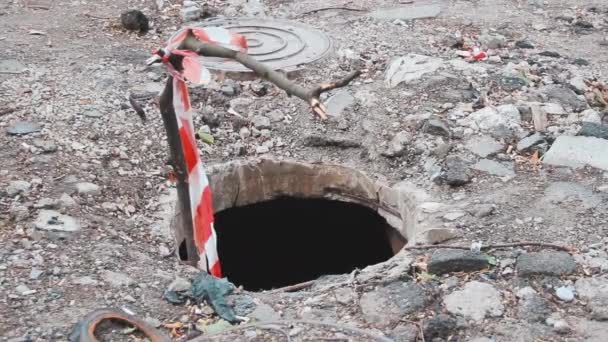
(310, 95)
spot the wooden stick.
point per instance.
(311, 96)
(295, 287)
(502, 245)
(332, 8)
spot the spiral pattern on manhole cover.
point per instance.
(282, 45)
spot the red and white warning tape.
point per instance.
(198, 185)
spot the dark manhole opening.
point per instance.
(288, 240)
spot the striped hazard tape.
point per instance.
(191, 70)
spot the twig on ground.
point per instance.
(261, 325)
(311, 96)
(332, 8)
(495, 246)
(137, 107)
(295, 287)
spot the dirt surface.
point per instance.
(94, 160)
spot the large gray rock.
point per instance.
(566, 97)
(410, 68)
(595, 292)
(456, 260)
(577, 152)
(51, 220)
(545, 263)
(456, 171)
(483, 146)
(387, 305)
(475, 301)
(494, 168)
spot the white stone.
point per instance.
(577, 152)
(410, 68)
(86, 188)
(565, 294)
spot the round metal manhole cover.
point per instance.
(282, 45)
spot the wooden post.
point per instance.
(181, 224)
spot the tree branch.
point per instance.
(311, 96)
(496, 246)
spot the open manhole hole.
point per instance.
(280, 223)
(280, 44)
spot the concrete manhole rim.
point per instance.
(314, 42)
(243, 182)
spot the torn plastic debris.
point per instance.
(210, 289)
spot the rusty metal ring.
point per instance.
(84, 331)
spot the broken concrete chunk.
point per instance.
(546, 263)
(456, 260)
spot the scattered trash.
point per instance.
(213, 290)
(208, 288)
(134, 20)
